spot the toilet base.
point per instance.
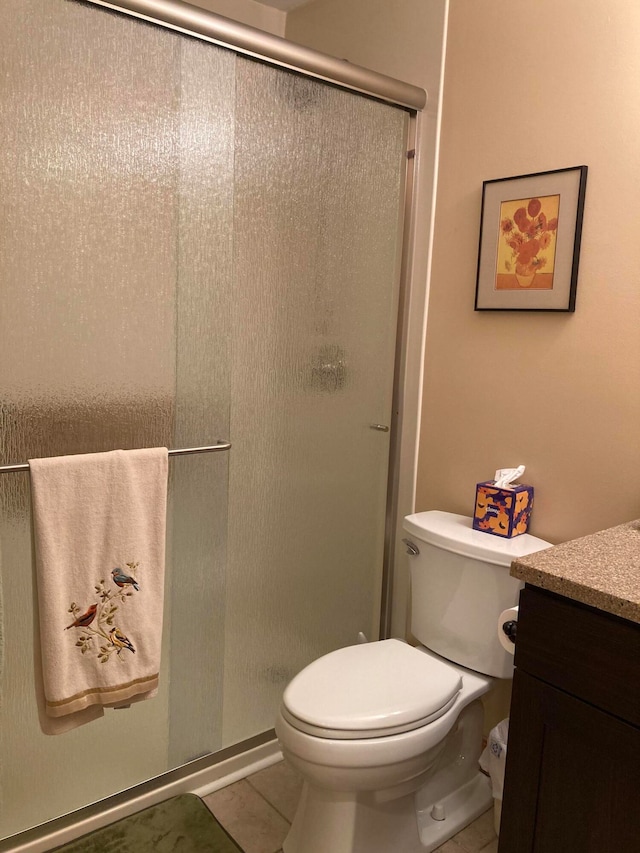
(403, 825)
(460, 808)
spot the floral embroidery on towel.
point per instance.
(98, 621)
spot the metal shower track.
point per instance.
(253, 42)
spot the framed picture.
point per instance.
(530, 241)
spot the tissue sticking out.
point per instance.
(506, 477)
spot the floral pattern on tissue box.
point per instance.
(502, 512)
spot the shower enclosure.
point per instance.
(194, 246)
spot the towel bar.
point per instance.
(181, 451)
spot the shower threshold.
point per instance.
(201, 777)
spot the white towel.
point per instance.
(99, 524)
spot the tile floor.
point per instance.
(258, 810)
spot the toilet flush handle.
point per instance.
(411, 548)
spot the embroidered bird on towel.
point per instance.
(84, 620)
(122, 579)
(120, 641)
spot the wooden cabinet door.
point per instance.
(572, 778)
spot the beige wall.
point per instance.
(536, 89)
(247, 12)
(540, 87)
(394, 37)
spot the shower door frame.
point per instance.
(239, 38)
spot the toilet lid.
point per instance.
(370, 690)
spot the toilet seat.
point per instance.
(370, 690)
(358, 734)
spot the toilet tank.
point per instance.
(460, 584)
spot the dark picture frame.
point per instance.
(530, 232)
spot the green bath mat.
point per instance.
(180, 825)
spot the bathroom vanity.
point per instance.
(573, 759)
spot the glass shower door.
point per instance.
(314, 312)
(193, 246)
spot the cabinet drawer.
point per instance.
(583, 651)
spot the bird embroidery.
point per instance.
(84, 620)
(120, 641)
(98, 633)
(122, 579)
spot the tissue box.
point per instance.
(503, 512)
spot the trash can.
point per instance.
(493, 761)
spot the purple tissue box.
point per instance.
(503, 512)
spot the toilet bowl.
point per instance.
(379, 743)
(387, 735)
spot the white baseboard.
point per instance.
(236, 768)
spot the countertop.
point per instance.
(602, 570)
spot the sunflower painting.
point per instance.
(527, 245)
(530, 232)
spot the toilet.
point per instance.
(386, 735)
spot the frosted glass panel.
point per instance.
(314, 318)
(88, 126)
